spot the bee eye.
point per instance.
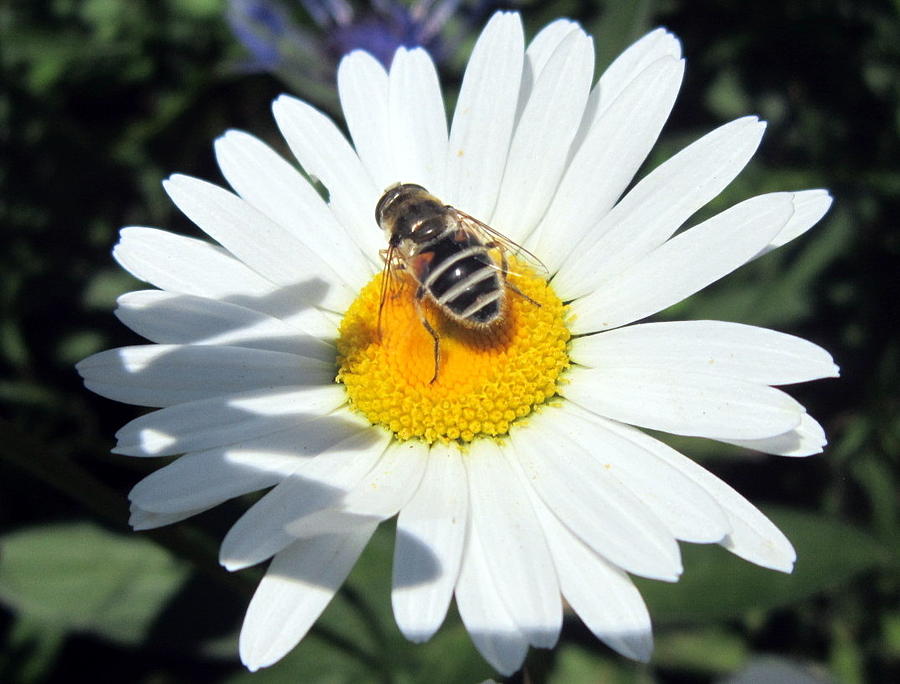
(380, 207)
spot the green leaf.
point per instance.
(890, 628)
(74, 346)
(450, 656)
(105, 287)
(717, 585)
(620, 24)
(708, 650)
(80, 577)
(30, 652)
(575, 664)
(726, 96)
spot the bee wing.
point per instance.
(490, 235)
(388, 278)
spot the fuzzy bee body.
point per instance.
(456, 271)
(449, 254)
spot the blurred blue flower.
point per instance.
(260, 25)
(305, 57)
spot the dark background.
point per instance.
(102, 99)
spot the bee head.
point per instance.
(391, 203)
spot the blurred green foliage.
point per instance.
(101, 99)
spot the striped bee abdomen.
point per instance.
(464, 280)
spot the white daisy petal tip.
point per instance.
(656, 44)
(753, 127)
(141, 519)
(810, 206)
(755, 538)
(233, 565)
(233, 561)
(636, 645)
(807, 439)
(360, 54)
(669, 43)
(147, 447)
(173, 179)
(417, 635)
(231, 139)
(285, 98)
(773, 552)
(179, 186)
(662, 40)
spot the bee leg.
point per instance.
(520, 293)
(504, 269)
(420, 294)
(399, 266)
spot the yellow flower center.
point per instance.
(487, 378)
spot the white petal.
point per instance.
(684, 403)
(274, 187)
(485, 113)
(223, 420)
(180, 264)
(516, 552)
(318, 483)
(637, 57)
(378, 496)
(539, 51)
(607, 159)
(809, 207)
(170, 318)
(417, 120)
(592, 503)
(268, 248)
(297, 587)
(207, 478)
(732, 350)
(602, 595)
(163, 375)
(540, 145)
(325, 154)
(430, 535)
(614, 142)
(805, 440)
(202, 480)
(363, 88)
(685, 264)
(655, 208)
(141, 520)
(685, 509)
(753, 536)
(486, 617)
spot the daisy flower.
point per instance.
(520, 477)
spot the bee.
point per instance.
(449, 254)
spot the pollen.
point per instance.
(488, 378)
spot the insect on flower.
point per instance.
(450, 255)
